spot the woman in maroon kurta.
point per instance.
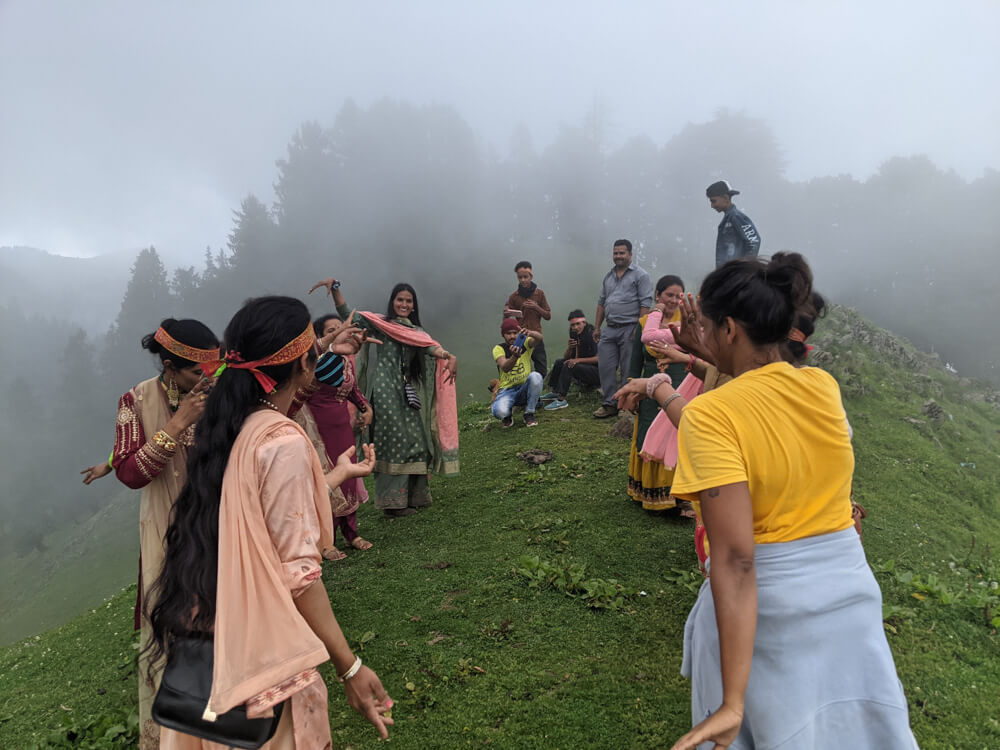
(331, 408)
(154, 428)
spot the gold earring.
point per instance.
(173, 394)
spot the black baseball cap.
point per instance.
(720, 188)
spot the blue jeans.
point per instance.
(525, 395)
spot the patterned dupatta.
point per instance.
(440, 400)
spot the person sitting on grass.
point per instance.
(519, 385)
(578, 363)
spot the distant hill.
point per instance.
(86, 292)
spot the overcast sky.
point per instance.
(125, 125)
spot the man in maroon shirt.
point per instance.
(529, 304)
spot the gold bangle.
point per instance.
(164, 441)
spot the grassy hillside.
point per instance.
(453, 609)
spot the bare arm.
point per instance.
(598, 321)
(507, 363)
(728, 517)
(365, 693)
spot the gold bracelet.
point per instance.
(163, 440)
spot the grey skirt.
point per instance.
(822, 675)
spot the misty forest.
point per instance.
(397, 190)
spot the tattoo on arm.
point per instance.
(714, 492)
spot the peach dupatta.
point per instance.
(261, 639)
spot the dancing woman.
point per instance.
(784, 645)
(411, 387)
(155, 428)
(243, 558)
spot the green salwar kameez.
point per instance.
(401, 434)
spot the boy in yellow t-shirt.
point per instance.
(519, 385)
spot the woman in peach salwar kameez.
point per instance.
(243, 558)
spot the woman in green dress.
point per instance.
(409, 381)
(649, 480)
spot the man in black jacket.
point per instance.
(578, 363)
(738, 237)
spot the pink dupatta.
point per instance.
(445, 400)
(261, 639)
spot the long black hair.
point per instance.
(189, 332)
(390, 313)
(184, 592)
(763, 296)
(415, 368)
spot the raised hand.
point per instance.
(189, 411)
(328, 283)
(690, 334)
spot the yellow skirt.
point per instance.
(648, 481)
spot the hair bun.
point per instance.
(790, 273)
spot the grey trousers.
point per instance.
(614, 353)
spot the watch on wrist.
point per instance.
(335, 285)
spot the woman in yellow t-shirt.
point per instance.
(784, 645)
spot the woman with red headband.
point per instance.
(244, 548)
(154, 429)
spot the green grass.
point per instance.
(474, 655)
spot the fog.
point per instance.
(132, 124)
(173, 161)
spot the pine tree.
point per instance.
(147, 301)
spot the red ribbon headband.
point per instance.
(289, 352)
(796, 335)
(207, 358)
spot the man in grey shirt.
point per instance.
(626, 295)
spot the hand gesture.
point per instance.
(328, 283)
(597, 333)
(451, 365)
(530, 304)
(690, 334)
(721, 727)
(669, 354)
(191, 408)
(571, 363)
(364, 419)
(661, 307)
(96, 472)
(351, 470)
(629, 396)
(366, 695)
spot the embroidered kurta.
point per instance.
(140, 464)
